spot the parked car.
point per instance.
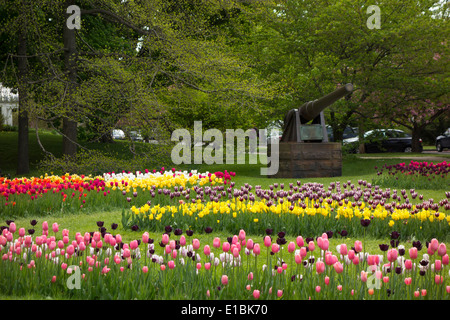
(443, 141)
(118, 134)
(136, 136)
(382, 140)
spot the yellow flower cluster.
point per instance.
(166, 180)
(235, 206)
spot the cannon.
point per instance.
(296, 127)
(304, 149)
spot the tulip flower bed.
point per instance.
(74, 193)
(298, 208)
(176, 265)
(415, 175)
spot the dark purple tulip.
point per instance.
(208, 229)
(269, 232)
(384, 247)
(189, 233)
(99, 224)
(365, 222)
(395, 235)
(135, 228)
(33, 222)
(30, 231)
(114, 226)
(168, 229)
(177, 232)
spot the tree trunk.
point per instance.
(416, 136)
(23, 161)
(70, 55)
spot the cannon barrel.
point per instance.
(312, 109)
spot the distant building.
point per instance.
(8, 102)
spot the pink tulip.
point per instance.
(21, 232)
(163, 267)
(300, 241)
(291, 247)
(165, 239)
(408, 281)
(423, 292)
(373, 260)
(413, 253)
(256, 294)
(320, 267)
(55, 227)
(171, 264)
(60, 244)
(437, 265)
(343, 249)
(70, 250)
(319, 242)
(167, 249)
(12, 227)
(438, 279)
(174, 253)
(358, 246)
(351, 254)
(235, 239)
(226, 247)
(198, 266)
(126, 253)
(235, 252)
(327, 280)
(145, 237)
(447, 288)
(338, 267)
(279, 293)
(311, 246)
(53, 279)
(442, 249)
(196, 244)
(144, 269)
(363, 276)
(267, 241)
(275, 248)
(206, 250)
(241, 235)
(207, 265)
(65, 233)
(392, 255)
(64, 266)
(256, 249)
(434, 244)
(117, 260)
(303, 252)
(250, 276)
(339, 287)
(386, 279)
(118, 238)
(445, 259)
(216, 242)
(298, 259)
(182, 241)
(224, 279)
(318, 289)
(325, 244)
(408, 264)
(416, 294)
(45, 225)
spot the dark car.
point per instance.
(443, 141)
(383, 140)
(349, 132)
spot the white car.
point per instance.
(118, 134)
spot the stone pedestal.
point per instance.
(308, 160)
